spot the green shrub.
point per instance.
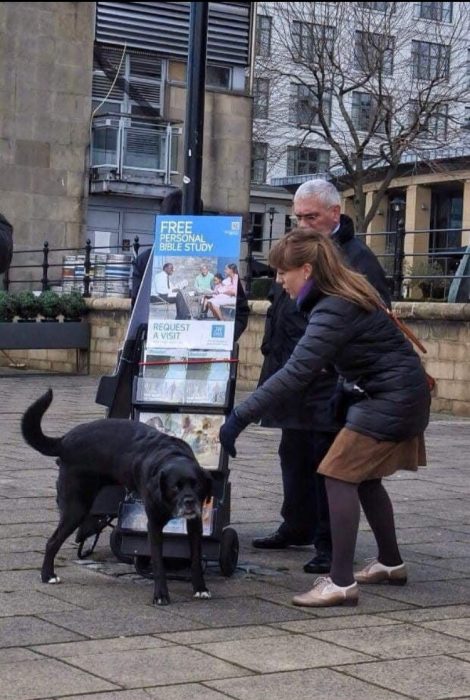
(73, 305)
(260, 287)
(8, 306)
(50, 304)
(28, 305)
(426, 276)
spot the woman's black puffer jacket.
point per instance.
(367, 349)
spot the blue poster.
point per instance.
(194, 282)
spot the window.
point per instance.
(365, 114)
(307, 161)
(263, 35)
(218, 77)
(310, 40)
(374, 53)
(378, 6)
(138, 88)
(432, 122)
(259, 157)
(304, 106)
(438, 11)
(430, 61)
(257, 227)
(261, 98)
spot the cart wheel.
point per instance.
(87, 547)
(143, 566)
(115, 543)
(228, 555)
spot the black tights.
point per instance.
(343, 502)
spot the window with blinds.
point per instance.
(131, 83)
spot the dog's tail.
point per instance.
(31, 427)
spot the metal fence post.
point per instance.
(86, 276)
(6, 280)
(136, 246)
(398, 259)
(45, 267)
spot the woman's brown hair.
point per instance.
(331, 275)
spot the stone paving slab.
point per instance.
(25, 631)
(429, 593)
(317, 684)
(455, 628)
(15, 603)
(35, 679)
(336, 623)
(288, 652)
(396, 641)
(429, 614)
(162, 666)
(223, 634)
(433, 678)
(96, 624)
(188, 691)
(101, 646)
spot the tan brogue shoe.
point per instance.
(326, 593)
(375, 572)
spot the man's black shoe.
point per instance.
(320, 564)
(276, 541)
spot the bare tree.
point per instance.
(368, 81)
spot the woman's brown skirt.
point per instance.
(354, 457)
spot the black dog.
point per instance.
(160, 468)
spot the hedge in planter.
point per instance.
(50, 305)
(28, 306)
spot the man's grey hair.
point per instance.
(324, 191)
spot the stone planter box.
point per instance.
(32, 335)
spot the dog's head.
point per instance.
(183, 486)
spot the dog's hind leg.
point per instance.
(67, 525)
(74, 505)
(194, 526)
(160, 591)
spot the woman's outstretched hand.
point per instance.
(229, 432)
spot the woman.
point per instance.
(385, 400)
(217, 288)
(229, 295)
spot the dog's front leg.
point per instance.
(160, 590)
(194, 526)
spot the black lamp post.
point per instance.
(398, 206)
(271, 212)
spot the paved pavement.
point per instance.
(96, 636)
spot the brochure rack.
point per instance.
(178, 373)
(201, 422)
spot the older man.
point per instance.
(308, 425)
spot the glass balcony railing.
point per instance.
(119, 145)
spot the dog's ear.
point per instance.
(208, 481)
(157, 486)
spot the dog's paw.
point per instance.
(54, 579)
(161, 600)
(202, 594)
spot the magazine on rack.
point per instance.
(194, 283)
(177, 376)
(135, 519)
(199, 431)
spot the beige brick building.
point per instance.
(92, 120)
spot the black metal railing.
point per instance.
(425, 260)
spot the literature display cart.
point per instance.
(179, 360)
